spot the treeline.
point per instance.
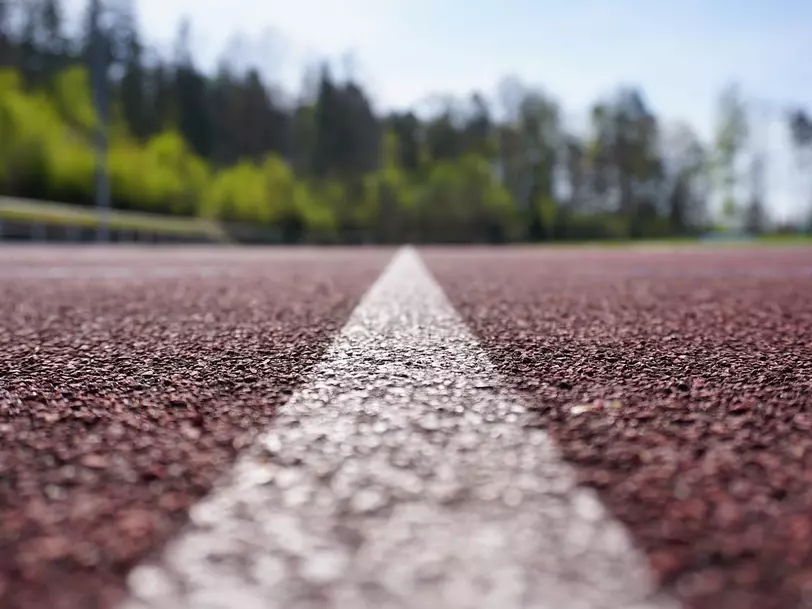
(324, 166)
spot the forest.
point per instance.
(323, 165)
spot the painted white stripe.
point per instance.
(401, 476)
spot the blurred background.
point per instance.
(381, 121)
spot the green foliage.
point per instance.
(72, 98)
(324, 166)
(39, 152)
(238, 194)
(46, 151)
(228, 150)
(461, 200)
(161, 176)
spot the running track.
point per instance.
(454, 427)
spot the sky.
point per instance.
(681, 53)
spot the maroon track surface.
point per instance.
(679, 384)
(129, 379)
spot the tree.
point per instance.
(128, 52)
(361, 131)
(635, 159)
(191, 93)
(478, 128)
(346, 130)
(95, 45)
(511, 92)
(387, 208)
(7, 48)
(327, 143)
(754, 216)
(575, 164)
(599, 158)
(445, 138)
(731, 136)
(304, 138)
(52, 36)
(625, 169)
(685, 175)
(406, 128)
(800, 127)
(541, 141)
(323, 165)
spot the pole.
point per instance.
(100, 98)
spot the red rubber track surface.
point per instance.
(129, 380)
(678, 382)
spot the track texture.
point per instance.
(400, 476)
(128, 382)
(679, 385)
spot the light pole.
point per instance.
(98, 75)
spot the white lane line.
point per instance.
(402, 475)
